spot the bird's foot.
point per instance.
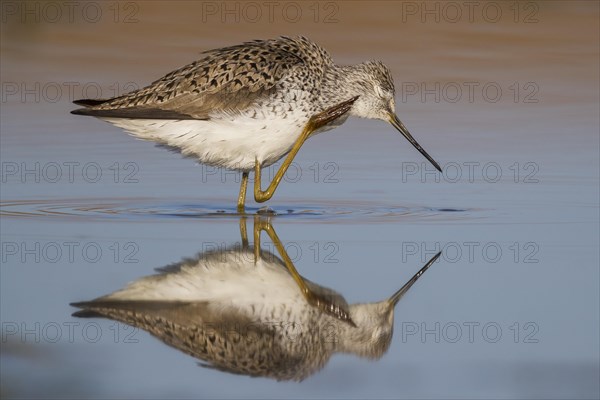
(266, 210)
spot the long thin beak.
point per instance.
(393, 300)
(395, 121)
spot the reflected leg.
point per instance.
(323, 303)
(242, 196)
(243, 233)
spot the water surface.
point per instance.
(509, 311)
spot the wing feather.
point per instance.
(226, 79)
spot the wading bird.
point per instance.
(245, 107)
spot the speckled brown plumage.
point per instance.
(230, 343)
(226, 79)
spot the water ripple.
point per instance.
(143, 208)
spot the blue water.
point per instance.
(511, 309)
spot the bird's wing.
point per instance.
(226, 79)
(225, 338)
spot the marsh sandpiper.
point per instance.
(245, 107)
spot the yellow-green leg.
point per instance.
(257, 221)
(314, 123)
(325, 304)
(243, 233)
(242, 197)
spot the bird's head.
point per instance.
(373, 327)
(374, 85)
(372, 334)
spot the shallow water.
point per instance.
(511, 309)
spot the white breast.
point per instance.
(224, 280)
(232, 141)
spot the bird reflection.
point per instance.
(244, 310)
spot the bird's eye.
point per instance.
(379, 91)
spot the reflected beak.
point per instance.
(402, 129)
(393, 300)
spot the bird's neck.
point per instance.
(340, 83)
